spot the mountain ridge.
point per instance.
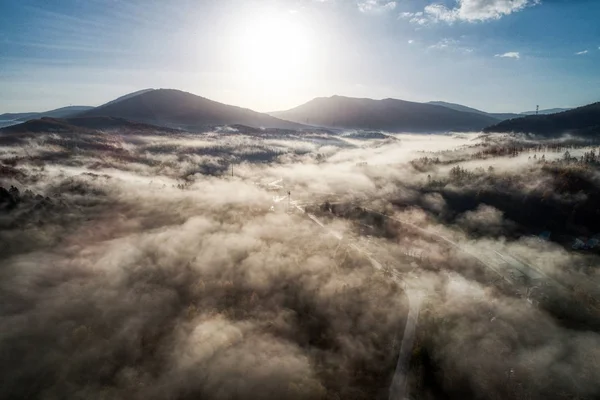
(79, 124)
(581, 121)
(55, 113)
(460, 107)
(546, 111)
(386, 114)
(178, 109)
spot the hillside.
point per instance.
(583, 121)
(460, 107)
(388, 114)
(128, 96)
(546, 111)
(79, 124)
(177, 109)
(62, 112)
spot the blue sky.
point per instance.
(496, 55)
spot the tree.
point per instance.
(589, 157)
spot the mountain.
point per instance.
(18, 116)
(582, 121)
(499, 116)
(4, 123)
(128, 96)
(58, 113)
(547, 111)
(388, 114)
(460, 107)
(177, 109)
(80, 125)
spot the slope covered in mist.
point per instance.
(388, 114)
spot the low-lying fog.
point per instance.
(175, 267)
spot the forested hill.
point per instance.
(582, 121)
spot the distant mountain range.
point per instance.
(174, 109)
(582, 121)
(182, 110)
(15, 118)
(459, 107)
(388, 114)
(547, 111)
(80, 124)
(499, 116)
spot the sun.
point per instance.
(273, 49)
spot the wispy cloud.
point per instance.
(468, 11)
(411, 41)
(444, 44)
(375, 6)
(66, 20)
(416, 17)
(449, 44)
(70, 47)
(580, 53)
(510, 54)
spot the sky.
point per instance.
(268, 55)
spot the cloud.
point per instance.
(580, 53)
(468, 11)
(375, 6)
(415, 18)
(450, 45)
(444, 44)
(411, 41)
(120, 284)
(510, 54)
(485, 219)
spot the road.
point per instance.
(415, 299)
(499, 263)
(398, 386)
(445, 240)
(504, 265)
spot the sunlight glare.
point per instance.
(274, 49)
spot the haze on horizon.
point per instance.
(496, 55)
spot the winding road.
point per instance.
(415, 299)
(499, 263)
(398, 386)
